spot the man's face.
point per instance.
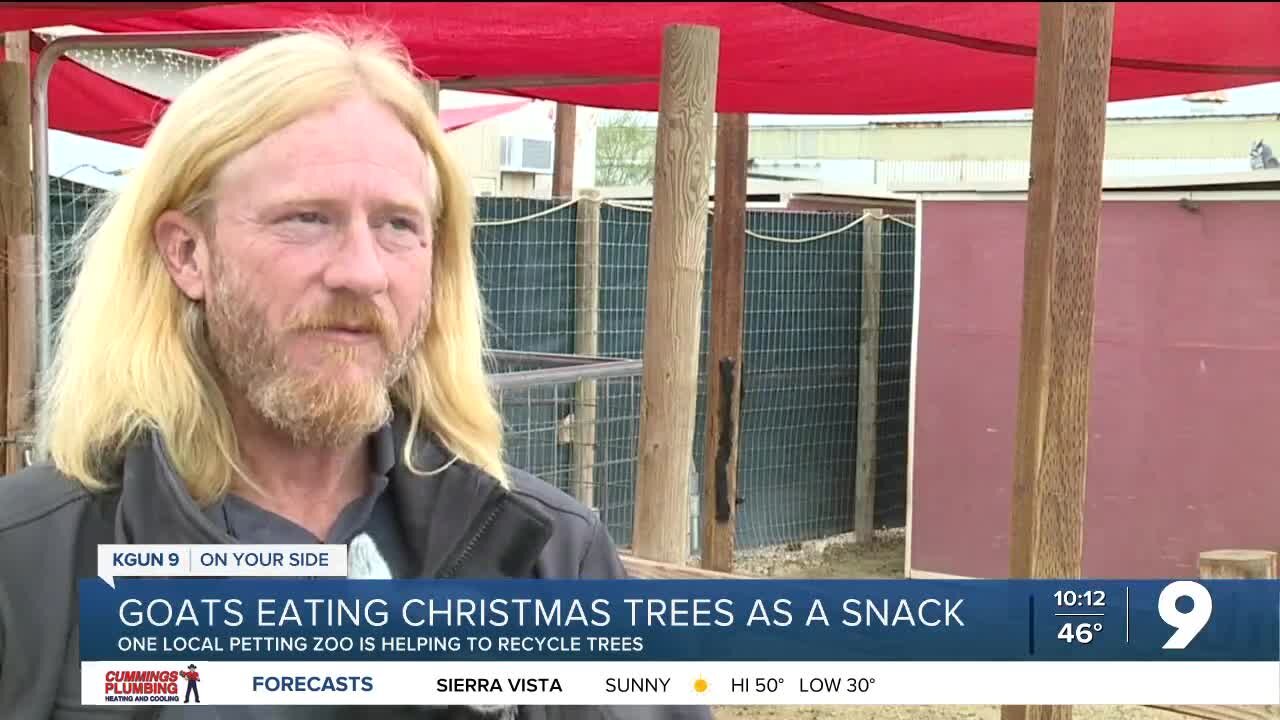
(318, 276)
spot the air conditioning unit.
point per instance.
(527, 155)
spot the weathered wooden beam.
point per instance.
(724, 344)
(17, 289)
(17, 47)
(653, 570)
(864, 484)
(673, 307)
(586, 343)
(566, 131)
(1238, 565)
(1064, 203)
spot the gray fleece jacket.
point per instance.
(459, 523)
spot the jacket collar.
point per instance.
(457, 520)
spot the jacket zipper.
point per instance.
(479, 535)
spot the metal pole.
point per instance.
(569, 374)
(40, 140)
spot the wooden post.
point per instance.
(587, 342)
(431, 88)
(673, 304)
(17, 47)
(21, 339)
(1064, 203)
(724, 343)
(566, 138)
(17, 290)
(864, 493)
(1238, 564)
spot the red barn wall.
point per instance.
(1185, 405)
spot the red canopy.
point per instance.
(32, 15)
(847, 58)
(86, 103)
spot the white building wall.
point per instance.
(891, 173)
(886, 173)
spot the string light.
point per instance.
(159, 64)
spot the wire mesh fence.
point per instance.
(798, 439)
(572, 422)
(70, 207)
(893, 387)
(801, 372)
(797, 442)
(525, 251)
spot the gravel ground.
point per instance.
(883, 557)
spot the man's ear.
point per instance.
(182, 244)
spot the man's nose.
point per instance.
(358, 265)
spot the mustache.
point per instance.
(347, 313)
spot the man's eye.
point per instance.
(404, 224)
(309, 217)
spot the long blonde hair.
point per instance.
(127, 360)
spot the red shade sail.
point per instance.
(86, 103)
(847, 58)
(840, 58)
(31, 15)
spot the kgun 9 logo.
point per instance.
(1187, 624)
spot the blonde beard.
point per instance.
(317, 412)
(309, 405)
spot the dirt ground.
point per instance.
(882, 558)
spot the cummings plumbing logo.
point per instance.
(192, 676)
(151, 686)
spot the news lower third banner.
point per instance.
(195, 631)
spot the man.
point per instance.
(276, 337)
(192, 676)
